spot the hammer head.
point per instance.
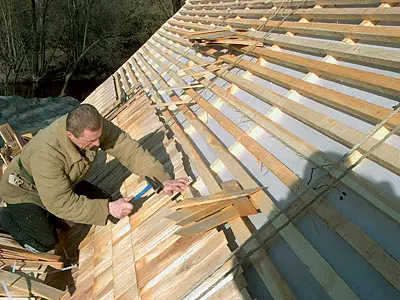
(155, 184)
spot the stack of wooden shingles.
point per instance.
(22, 259)
(142, 256)
(20, 269)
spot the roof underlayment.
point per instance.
(308, 114)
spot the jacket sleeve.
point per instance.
(57, 195)
(128, 151)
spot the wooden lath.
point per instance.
(372, 14)
(332, 128)
(331, 30)
(231, 125)
(341, 288)
(364, 54)
(306, 150)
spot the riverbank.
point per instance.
(78, 89)
(30, 115)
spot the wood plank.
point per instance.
(360, 53)
(364, 188)
(183, 138)
(183, 213)
(29, 284)
(28, 255)
(205, 211)
(118, 87)
(225, 215)
(124, 270)
(103, 270)
(359, 13)
(230, 289)
(366, 80)
(273, 282)
(339, 288)
(242, 204)
(216, 198)
(217, 4)
(369, 33)
(30, 263)
(125, 81)
(384, 155)
(382, 84)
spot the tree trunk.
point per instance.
(67, 77)
(35, 44)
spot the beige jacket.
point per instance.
(57, 166)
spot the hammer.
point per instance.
(154, 184)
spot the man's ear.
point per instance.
(70, 135)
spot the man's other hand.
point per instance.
(121, 207)
(176, 185)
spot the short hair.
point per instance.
(84, 116)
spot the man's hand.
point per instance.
(120, 208)
(176, 185)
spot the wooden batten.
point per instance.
(341, 286)
(332, 128)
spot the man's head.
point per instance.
(84, 126)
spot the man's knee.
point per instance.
(28, 228)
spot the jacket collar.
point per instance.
(66, 144)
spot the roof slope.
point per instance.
(307, 113)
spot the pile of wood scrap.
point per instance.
(221, 36)
(20, 270)
(20, 259)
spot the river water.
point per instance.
(76, 89)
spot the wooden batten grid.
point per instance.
(184, 86)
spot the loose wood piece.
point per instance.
(204, 211)
(8, 250)
(242, 204)
(21, 263)
(182, 87)
(210, 222)
(167, 104)
(222, 196)
(30, 285)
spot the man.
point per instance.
(45, 183)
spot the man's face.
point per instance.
(87, 140)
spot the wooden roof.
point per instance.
(310, 113)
